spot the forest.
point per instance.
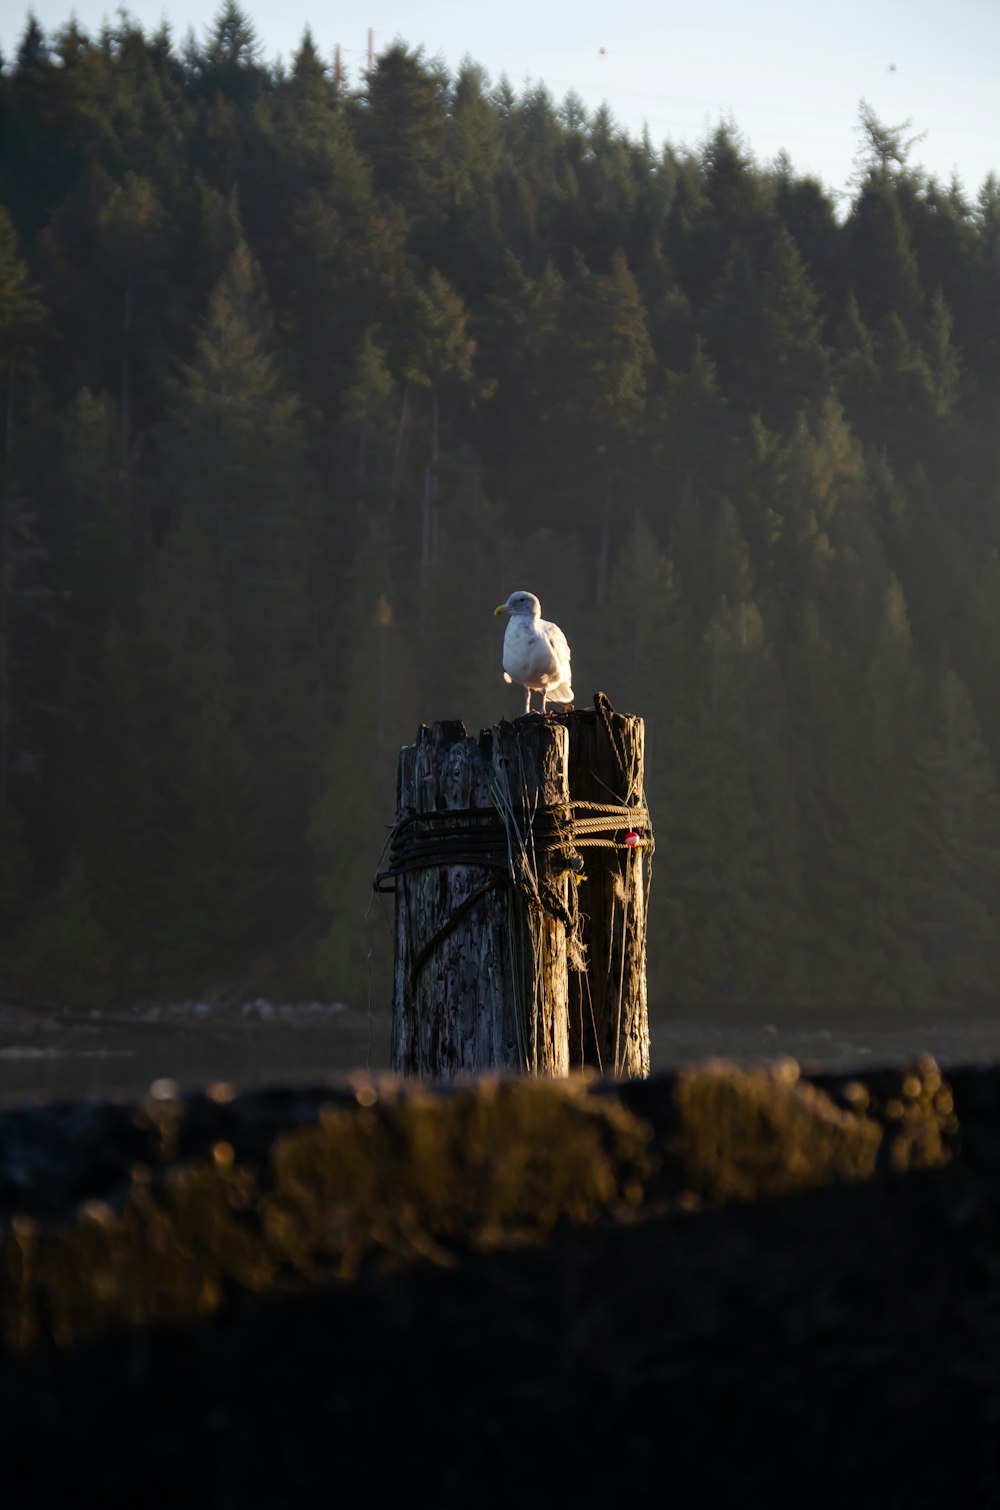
(300, 377)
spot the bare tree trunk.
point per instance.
(125, 408)
(435, 488)
(8, 429)
(428, 532)
(397, 460)
(604, 550)
(425, 536)
(361, 470)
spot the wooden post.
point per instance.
(504, 960)
(480, 973)
(609, 1023)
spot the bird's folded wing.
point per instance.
(559, 644)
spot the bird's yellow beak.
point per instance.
(501, 609)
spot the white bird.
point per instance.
(535, 652)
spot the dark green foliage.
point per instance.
(401, 124)
(299, 378)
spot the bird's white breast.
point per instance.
(528, 655)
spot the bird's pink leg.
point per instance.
(527, 699)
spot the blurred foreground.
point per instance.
(735, 1286)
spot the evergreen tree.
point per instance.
(377, 709)
(22, 314)
(229, 64)
(765, 330)
(953, 856)
(601, 357)
(516, 334)
(235, 606)
(471, 247)
(129, 807)
(731, 861)
(883, 265)
(297, 376)
(26, 594)
(732, 207)
(402, 128)
(642, 658)
(369, 427)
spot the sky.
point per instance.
(790, 75)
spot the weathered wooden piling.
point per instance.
(520, 866)
(609, 1022)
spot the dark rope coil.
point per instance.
(552, 834)
(479, 836)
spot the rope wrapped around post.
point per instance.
(489, 835)
(421, 839)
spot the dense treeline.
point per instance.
(299, 380)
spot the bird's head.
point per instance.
(521, 602)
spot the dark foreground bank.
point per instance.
(713, 1287)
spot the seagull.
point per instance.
(535, 652)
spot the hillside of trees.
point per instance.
(300, 378)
